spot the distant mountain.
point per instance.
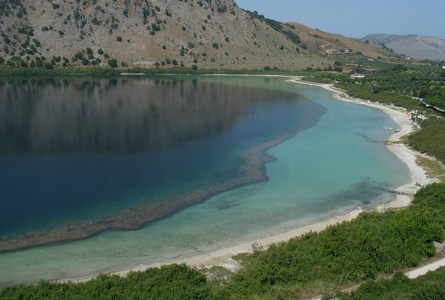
(414, 46)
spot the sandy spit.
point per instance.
(224, 257)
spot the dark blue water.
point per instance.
(80, 156)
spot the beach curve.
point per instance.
(405, 193)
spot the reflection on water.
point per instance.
(82, 156)
(112, 115)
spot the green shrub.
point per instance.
(112, 63)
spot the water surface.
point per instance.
(117, 147)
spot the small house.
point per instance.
(357, 75)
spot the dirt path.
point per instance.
(425, 269)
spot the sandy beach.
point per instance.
(223, 257)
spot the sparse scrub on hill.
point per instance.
(109, 21)
(278, 26)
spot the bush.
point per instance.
(431, 138)
(112, 63)
(85, 61)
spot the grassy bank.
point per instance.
(378, 88)
(92, 71)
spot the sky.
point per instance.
(357, 18)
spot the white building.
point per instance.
(357, 75)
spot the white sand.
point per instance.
(223, 257)
(419, 177)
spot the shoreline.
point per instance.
(224, 257)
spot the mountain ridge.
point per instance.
(411, 45)
(210, 34)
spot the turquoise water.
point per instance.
(82, 156)
(336, 165)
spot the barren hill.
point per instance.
(323, 43)
(414, 46)
(200, 33)
(211, 34)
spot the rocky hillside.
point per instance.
(414, 46)
(202, 33)
(213, 34)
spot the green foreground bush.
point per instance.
(431, 139)
(430, 286)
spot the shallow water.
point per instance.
(337, 164)
(78, 157)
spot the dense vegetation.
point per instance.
(430, 286)
(397, 85)
(371, 245)
(97, 71)
(400, 82)
(431, 139)
(168, 282)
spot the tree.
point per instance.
(338, 63)
(39, 62)
(112, 63)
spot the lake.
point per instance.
(100, 174)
